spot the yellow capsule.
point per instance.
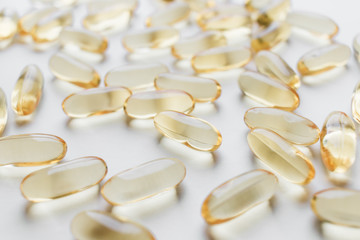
(355, 105)
(201, 89)
(272, 65)
(356, 46)
(36, 149)
(29, 20)
(63, 179)
(199, 5)
(338, 142)
(28, 91)
(221, 59)
(268, 91)
(323, 59)
(187, 48)
(8, 27)
(281, 156)
(144, 181)
(3, 111)
(172, 14)
(73, 71)
(135, 76)
(238, 195)
(276, 10)
(145, 105)
(294, 128)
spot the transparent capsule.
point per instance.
(135, 76)
(338, 206)
(145, 105)
(356, 46)
(172, 14)
(355, 104)
(63, 179)
(281, 156)
(144, 181)
(27, 91)
(193, 132)
(3, 111)
(221, 59)
(338, 142)
(96, 101)
(276, 10)
(267, 91)
(323, 59)
(201, 89)
(8, 27)
(199, 5)
(187, 48)
(36, 149)
(73, 71)
(29, 20)
(272, 65)
(238, 195)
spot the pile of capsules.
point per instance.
(151, 91)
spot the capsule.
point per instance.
(36, 149)
(256, 5)
(201, 89)
(146, 105)
(135, 76)
(29, 20)
(193, 132)
(268, 92)
(281, 156)
(356, 46)
(172, 14)
(3, 111)
(238, 195)
(143, 181)
(323, 59)
(8, 27)
(276, 10)
(220, 59)
(27, 91)
(355, 105)
(338, 142)
(187, 48)
(63, 179)
(199, 5)
(73, 71)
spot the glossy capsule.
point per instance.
(73, 71)
(238, 195)
(193, 132)
(63, 179)
(356, 46)
(27, 91)
(201, 89)
(267, 91)
(8, 27)
(355, 104)
(170, 15)
(323, 59)
(281, 156)
(29, 20)
(276, 10)
(3, 111)
(144, 181)
(36, 149)
(338, 142)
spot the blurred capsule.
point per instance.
(355, 105)
(8, 27)
(356, 46)
(30, 19)
(3, 111)
(276, 10)
(256, 5)
(199, 5)
(170, 15)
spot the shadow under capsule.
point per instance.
(339, 179)
(238, 36)
(23, 120)
(183, 66)
(321, 78)
(139, 124)
(231, 75)
(332, 231)
(208, 108)
(11, 171)
(84, 56)
(65, 88)
(314, 40)
(96, 121)
(148, 56)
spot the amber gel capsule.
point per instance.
(29, 20)
(28, 91)
(172, 14)
(281, 156)
(8, 27)
(144, 181)
(3, 111)
(355, 105)
(276, 10)
(188, 130)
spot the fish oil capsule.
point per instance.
(28, 21)
(220, 59)
(172, 14)
(8, 27)
(145, 105)
(135, 76)
(95, 225)
(73, 71)
(201, 89)
(238, 195)
(27, 91)
(36, 149)
(187, 48)
(281, 156)
(276, 10)
(355, 105)
(323, 59)
(96, 101)
(356, 46)
(272, 65)
(63, 179)
(3, 111)
(338, 142)
(143, 181)
(268, 91)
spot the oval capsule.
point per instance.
(276, 10)
(172, 14)
(267, 91)
(355, 104)
(356, 46)
(338, 142)
(96, 101)
(36, 149)
(29, 20)
(8, 26)
(27, 91)
(146, 105)
(193, 132)
(238, 195)
(3, 111)
(63, 179)
(73, 71)
(143, 181)
(281, 156)
(323, 59)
